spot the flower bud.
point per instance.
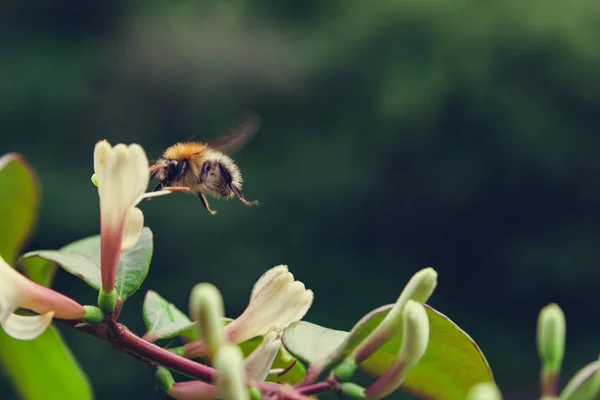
(551, 330)
(206, 307)
(229, 362)
(415, 325)
(551, 337)
(419, 289)
(163, 379)
(352, 391)
(484, 391)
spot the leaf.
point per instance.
(19, 200)
(452, 364)
(44, 368)
(82, 259)
(585, 385)
(163, 320)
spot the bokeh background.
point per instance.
(461, 135)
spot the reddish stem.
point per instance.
(122, 339)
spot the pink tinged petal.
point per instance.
(259, 362)
(110, 252)
(27, 327)
(132, 229)
(42, 300)
(193, 390)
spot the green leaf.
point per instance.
(19, 198)
(43, 368)
(82, 259)
(452, 364)
(163, 320)
(585, 385)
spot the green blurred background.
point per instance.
(461, 135)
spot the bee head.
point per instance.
(168, 171)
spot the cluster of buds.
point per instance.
(408, 315)
(277, 300)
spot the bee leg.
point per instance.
(177, 188)
(204, 201)
(237, 192)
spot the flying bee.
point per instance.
(206, 168)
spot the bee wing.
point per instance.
(237, 138)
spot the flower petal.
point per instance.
(27, 327)
(267, 277)
(259, 362)
(132, 229)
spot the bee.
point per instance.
(206, 168)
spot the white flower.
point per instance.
(277, 301)
(122, 176)
(16, 291)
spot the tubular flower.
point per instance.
(277, 301)
(122, 176)
(16, 291)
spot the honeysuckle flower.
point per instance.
(17, 291)
(484, 391)
(277, 301)
(122, 176)
(415, 338)
(231, 377)
(419, 288)
(259, 362)
(193, 390)
(206, 307)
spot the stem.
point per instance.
(122, 339)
